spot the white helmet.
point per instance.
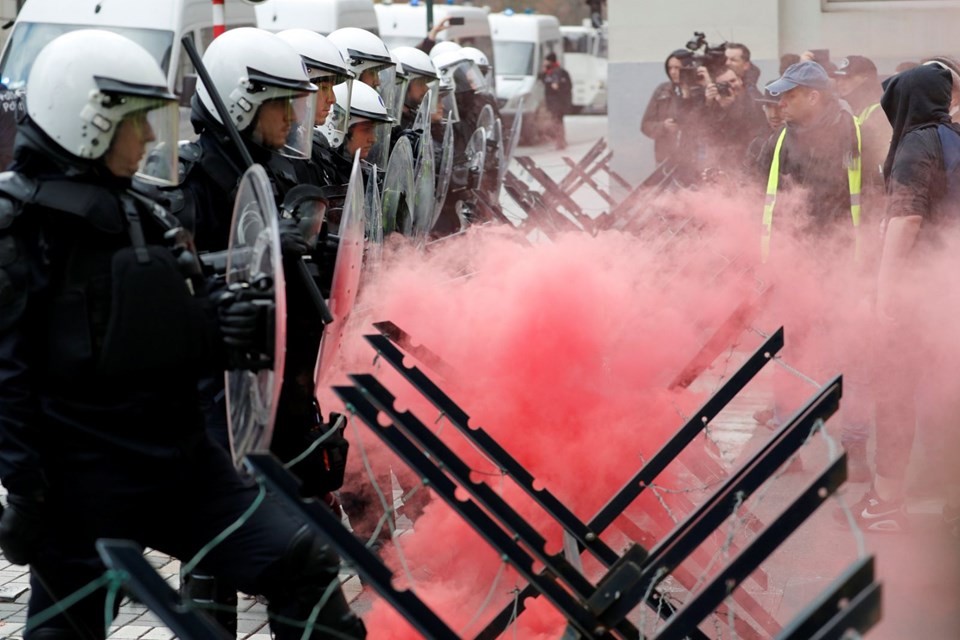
(359, 104)
(443, 47)
(361, 50)
(84, 83)
(462, 69)
(249, 67)
(322, 57)
(477, 56)
(416, 62)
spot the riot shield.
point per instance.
(424, 200)
(500, 158)
(255, 272)
(375, 227)
(476, 152)
(511, 143)
(486, 121)
(380, 151)
(422, 123)
(399, 184)
(346, 273)
(444, 172)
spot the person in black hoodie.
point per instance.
(923, 185)
(105, 331)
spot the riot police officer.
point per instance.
(105, 331)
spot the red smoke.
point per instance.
(563, 352)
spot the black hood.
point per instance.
(914, 99)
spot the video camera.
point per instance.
(714, 58)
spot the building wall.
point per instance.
(642, 34)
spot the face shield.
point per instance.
(422, 88)
(326, 97)
(145, 140)
(446, 110)
(285, 124)
(468, 77)
(372, 138)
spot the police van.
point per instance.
(405, 25)
(520, 43)
(322, 16)
(585, 59)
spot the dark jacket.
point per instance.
(917, 104)
(665, 104)
(558, 90)
(89, 367)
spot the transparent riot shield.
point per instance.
(444, 171)
(255, 273)
(499, 158)
(511, 143)
(424, 200)
(486, 121)
(476, 153)
(399, 187)
(375, 225)
(346, 274)
(380, 151)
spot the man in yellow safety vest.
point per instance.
(858, 83)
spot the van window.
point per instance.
(514, 58)
(28, 38)
(576, 43)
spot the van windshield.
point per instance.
(28, 38)
(513, 58)
(576, 43)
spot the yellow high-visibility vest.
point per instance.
(866, 113)
(854, 178)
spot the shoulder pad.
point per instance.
(190, 154)
(95, 204)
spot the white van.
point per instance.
(521, 42)
(405, 25)
(322, 16)
(585, 59)
(157, 25)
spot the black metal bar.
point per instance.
(861, 614)
(699, 525)
(736, 571)
(736, 322)
(369, 567)
(657, 464)
(490, 448)
(573, 610)
(568, 184)
(536, 209)
(419, 351)
(143, 581)
(605, 163)
(552, 190)
(854, 580)
(585, 178)
(687, 432)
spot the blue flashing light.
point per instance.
(529, 11)
(414, 3)
(508, 11)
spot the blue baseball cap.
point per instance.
(802, 74)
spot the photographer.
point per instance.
(661, 120)
(734, 118)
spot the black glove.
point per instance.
(22, 527)
(247, 326)
(292, 242)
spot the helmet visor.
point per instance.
(388, 88)
(326, 97)
(152, 131)
(468, 77)
(447, 107)
(285, 124)
(372, 138)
